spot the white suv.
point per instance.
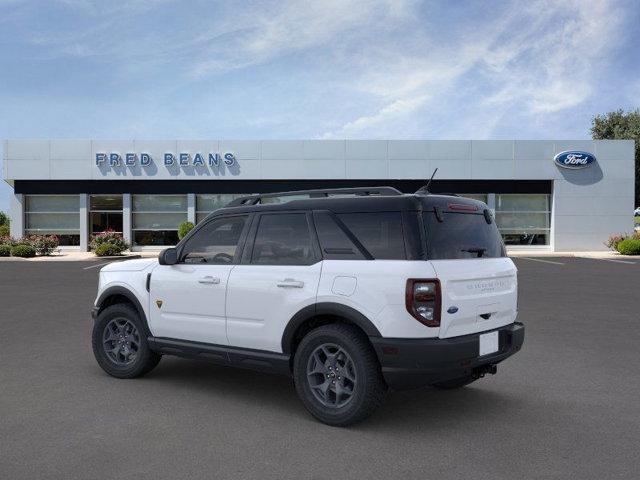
(349, 291)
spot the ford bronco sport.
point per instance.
(349, 291)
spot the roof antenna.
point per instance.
(425, 190)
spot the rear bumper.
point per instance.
(410, 363)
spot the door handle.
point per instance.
(291, 283)
(209, 280)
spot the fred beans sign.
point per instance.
(169, 159)
(574, 159)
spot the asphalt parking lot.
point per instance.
(567, 406)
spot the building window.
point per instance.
(106, 213)
(524, 219)
(482, 197)
(156, 219)
(54, 215)
(205, 204)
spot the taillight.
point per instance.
(423, 301)
(462, 207)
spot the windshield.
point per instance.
(462, 235)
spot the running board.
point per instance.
(261, 360)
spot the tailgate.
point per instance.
(482, 293)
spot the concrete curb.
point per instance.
(597, 255)
(73, 257)
(118, 257)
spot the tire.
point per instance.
(454, 383)
(125, 326)
(360, 384)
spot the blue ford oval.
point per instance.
(574, 159)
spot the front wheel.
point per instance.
(120, 344)
(337, 375)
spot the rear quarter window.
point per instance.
(462, 235)
(334, 242)
(379, 232)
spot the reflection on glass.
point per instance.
(156, 219)
(105, 203)
(524, 219)
(207, 203)
(54, 215)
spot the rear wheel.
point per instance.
(337, 375)
(455, 383)
(120, 344)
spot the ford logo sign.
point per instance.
(574, 159)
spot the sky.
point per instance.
(286, 69)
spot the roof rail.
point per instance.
(422, 192)
(319, 193)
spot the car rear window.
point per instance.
(462, 235)
(379, 232)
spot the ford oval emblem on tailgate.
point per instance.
(452, 309)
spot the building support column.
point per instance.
(126, 219)
(552, 220)
(84, 222)
(17, 215)
(191, 208)
(491, 202)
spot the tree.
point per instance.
(620, 125)
(4, 225)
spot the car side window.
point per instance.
(283, 239)
(215, 243)
(334, 242)
(380, 233)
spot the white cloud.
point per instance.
(552, 65)
(541, 57)
(293, 26)
(390, 64)
(396, 109)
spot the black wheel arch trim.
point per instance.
(326, 308)
(125, 292)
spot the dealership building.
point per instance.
(549, 194)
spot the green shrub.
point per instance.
(13, 241)
(4, 219)
(630, 246)
(108, 250)
(23, 250)
(108, 237)
(4, 231)
(5, 250)
(184, 228)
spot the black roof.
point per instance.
(358, 203)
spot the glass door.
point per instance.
(106, 213)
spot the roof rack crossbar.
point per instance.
(318, 193)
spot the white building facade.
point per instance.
(552, 195)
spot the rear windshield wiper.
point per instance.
(477, 250)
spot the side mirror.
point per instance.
(168, 256)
